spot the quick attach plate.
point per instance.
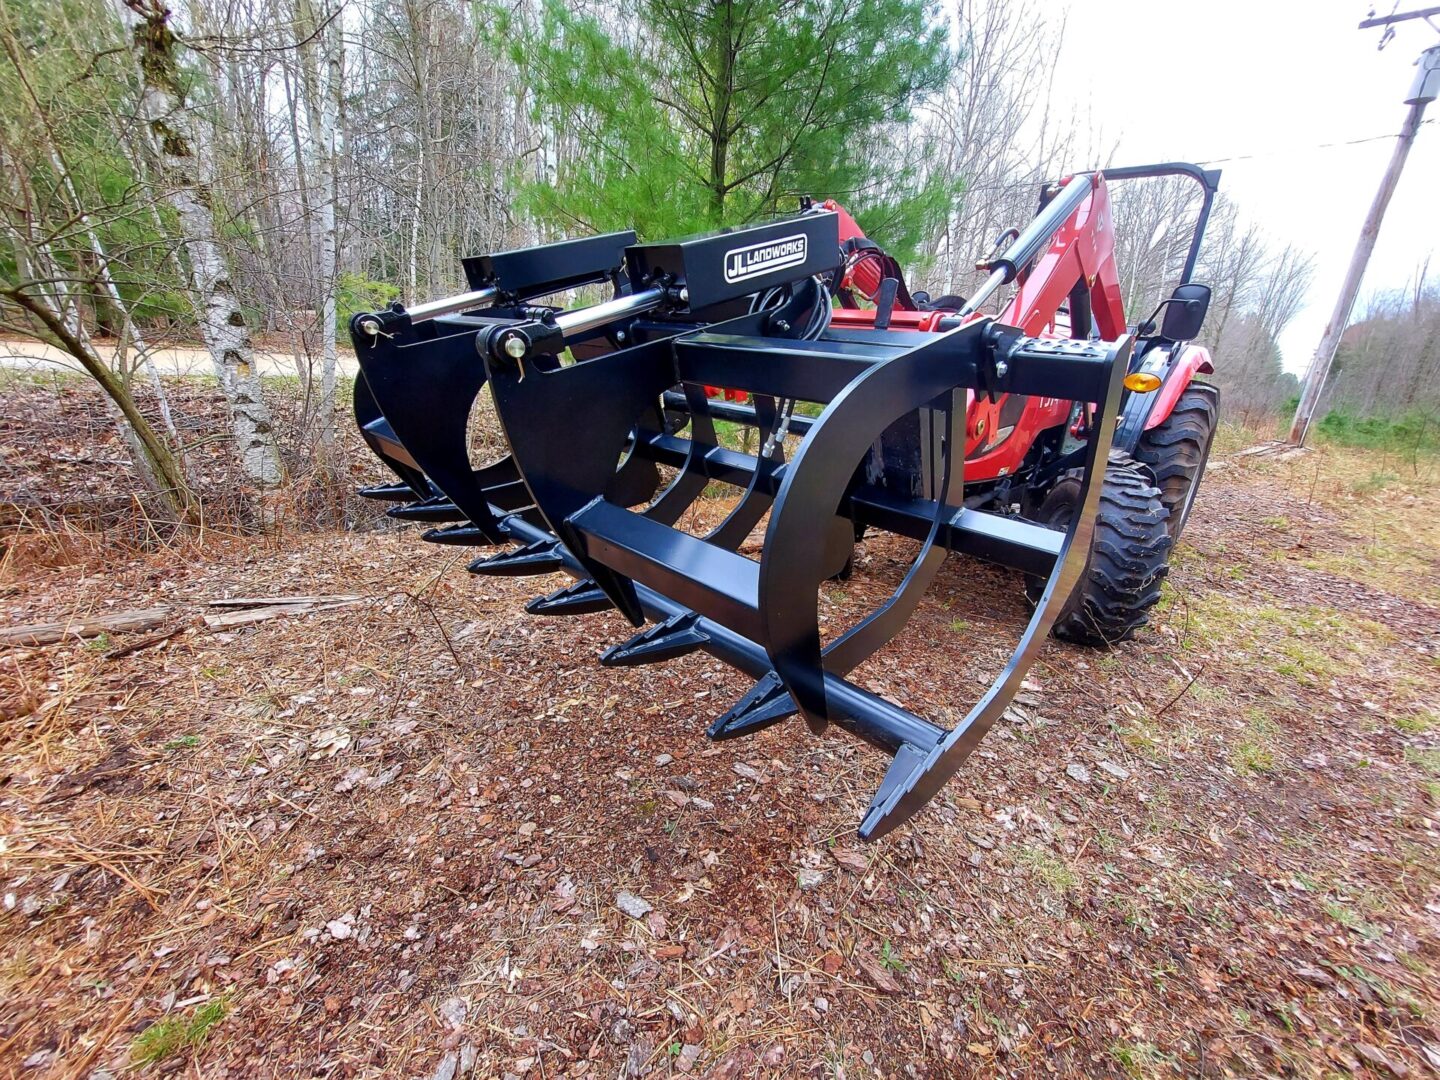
(532, 271)
(721, 266)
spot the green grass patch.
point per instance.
(1384, 990)
(1428, 761)
(1158, 739)
(173, 1034)
(890, 957)
(1253, 754)
(1310, 644)
(1407, 433)
(1417, 723)
(184, 742)
(1048, 869)
(1140, 1059)
(1193, 892)
(735, 436)
(1351, 920)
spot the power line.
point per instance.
(1301, 149)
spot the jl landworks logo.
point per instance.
(744, 263)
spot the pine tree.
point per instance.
(673, 117)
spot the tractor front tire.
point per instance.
(1129, 555)
(1177, 449)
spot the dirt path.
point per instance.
(427, 833)
(34, 356)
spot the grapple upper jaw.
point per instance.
(420, 376)
(914, 783)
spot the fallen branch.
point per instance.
(91, 626)
(272, 601)
(256, 609)
(1278, 449)
(144, 643)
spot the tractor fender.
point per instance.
(1176, 366)
(1192, 360)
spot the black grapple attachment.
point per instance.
(419, 378)
(747, 310)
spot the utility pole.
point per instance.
(1424, 90)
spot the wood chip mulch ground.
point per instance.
(427, 835)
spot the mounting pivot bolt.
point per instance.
(684, 295)
(619, 335)
(370, 326)
(1002, 368)
(782, 326)
(515, 346)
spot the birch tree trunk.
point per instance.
(221, 322)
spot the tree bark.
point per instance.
(222, 323)
(84, 626)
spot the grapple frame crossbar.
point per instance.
(745, 310)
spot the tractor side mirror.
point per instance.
(1185, 312)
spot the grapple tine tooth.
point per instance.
(387, 492)
(668, 640)
(541, 557)
(580, 598)
(907, 764)
(764, 704)
(465, 535)
(435, 509)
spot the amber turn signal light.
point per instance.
(1142, 382)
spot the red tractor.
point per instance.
(1015, 446)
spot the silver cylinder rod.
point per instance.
(433, 309)
(578, 322)
(986, 290)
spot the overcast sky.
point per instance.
(1268, 82)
